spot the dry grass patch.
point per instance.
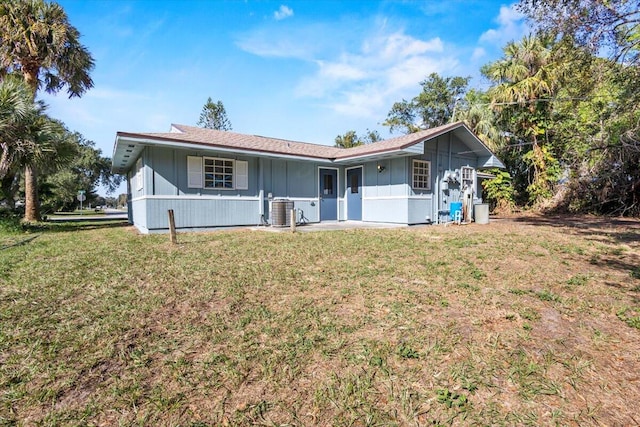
(519, 322)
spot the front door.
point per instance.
(354, 194)
(328, 195)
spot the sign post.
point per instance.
(81, 198)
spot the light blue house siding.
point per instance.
(389, 195)
(167, 171)
(164, 186)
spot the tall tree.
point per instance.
(477, 113)
(434, 106)
(348, 140)
(352, 139)
(16, 109)
(37, 40)
(214, 116)
(87, 169)
(609, 27)
(525, 79)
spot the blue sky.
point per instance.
(300, 70)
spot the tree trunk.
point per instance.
(31, 204)
(30, 73)
(5, 160)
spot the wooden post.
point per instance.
(293, 220)
(172, 227)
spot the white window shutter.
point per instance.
(242, 175)
(139, 176)
(194, 172)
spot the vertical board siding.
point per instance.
(387, 196)
(301, 180)
(279, 178)
(194, 213)
(399, 186)
(164, 180)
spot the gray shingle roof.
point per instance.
(224, 139)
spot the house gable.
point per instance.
(129, 145)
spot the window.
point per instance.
(354, 183)
(421, 175)
(328, 184)
(218, 173)
(467, 174)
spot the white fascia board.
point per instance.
(375, 156)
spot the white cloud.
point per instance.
(340, 71)
(386, 68)
(279, 42)
(361, 74)
(478, 53)
(283, 13)
(511, 26)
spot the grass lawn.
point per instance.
(521, 322)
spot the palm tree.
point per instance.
(49, 148)
(37, 40)
(525, 80)
(16, 106)
(28, 139)
(476, 112)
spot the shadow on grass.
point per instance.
(603, 230)
(66, 226)
(20, 243)
(622, 230)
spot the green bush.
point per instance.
(10, 222)
(499, 190)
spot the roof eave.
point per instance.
(133, 141)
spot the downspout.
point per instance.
(449, 166)
(436, 203)
(129, 197)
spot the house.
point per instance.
(216, 178)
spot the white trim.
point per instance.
(204, 173)
(204, 148)
(418, 197)
(377, 155)
(196, 197)
(386, 198)
(300, 199)
(413, 175)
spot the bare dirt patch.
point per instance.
(525, 321)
